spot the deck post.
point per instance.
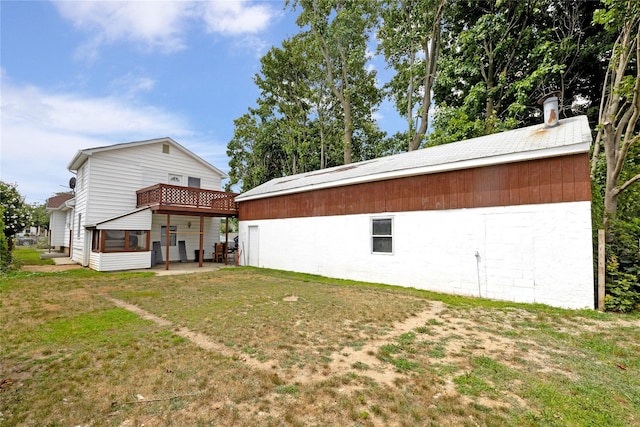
(168, 240)
(201, 240)
(226, 239)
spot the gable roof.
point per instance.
(82, 155)
(570, 136)
(58, 201)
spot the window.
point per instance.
(95, 241)
(163, 235)
(165, 148)
(175, 179)
(137, 240)
(193, 182)
(114, 240)
(382, 235)
(120, 240)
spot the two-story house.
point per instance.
(145, 202)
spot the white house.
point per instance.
(60, 209)
(505, 216)
(143, 202)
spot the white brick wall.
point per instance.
(529, 253)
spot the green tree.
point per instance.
(16, 213)
(285, 88)
(500, 57)
(39, 216)
(255, 152)
(410, 41)
(341, 30)
(619, 118)
(302, 115)
(5, 253)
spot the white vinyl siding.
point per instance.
(140, 220)
(116, 175)
(116, 261)
(57, 225)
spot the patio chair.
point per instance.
(218, 254)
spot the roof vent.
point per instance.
(550, 111)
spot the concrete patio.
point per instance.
(160, 269)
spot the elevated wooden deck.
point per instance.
(173, 199)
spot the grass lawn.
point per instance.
(28, 256)
(250, 347)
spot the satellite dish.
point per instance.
(72, 183)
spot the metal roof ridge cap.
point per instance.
(580, 147)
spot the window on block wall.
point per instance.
(382, 235)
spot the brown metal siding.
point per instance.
(558, 179)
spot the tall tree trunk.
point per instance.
(619, 115)
(348, 132)
(432, 52)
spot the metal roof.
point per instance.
(570, 136)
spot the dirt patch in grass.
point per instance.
(251, 347)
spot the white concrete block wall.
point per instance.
(528, 253)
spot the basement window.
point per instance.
(382, 235)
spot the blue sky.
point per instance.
(81, 74)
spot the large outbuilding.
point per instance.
(505, 216)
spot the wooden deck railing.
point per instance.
(175, 198)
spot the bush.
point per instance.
(623, 266)
(5, 254)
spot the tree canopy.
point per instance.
(16, 214)
(475, 67)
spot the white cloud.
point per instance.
(41, 131)
(236, 17)
(155, 25)
(159, 25)
(130, 85)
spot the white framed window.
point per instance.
(382, 235)
(175, 179)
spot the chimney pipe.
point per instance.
(551, 112)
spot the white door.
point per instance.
(254, 245)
